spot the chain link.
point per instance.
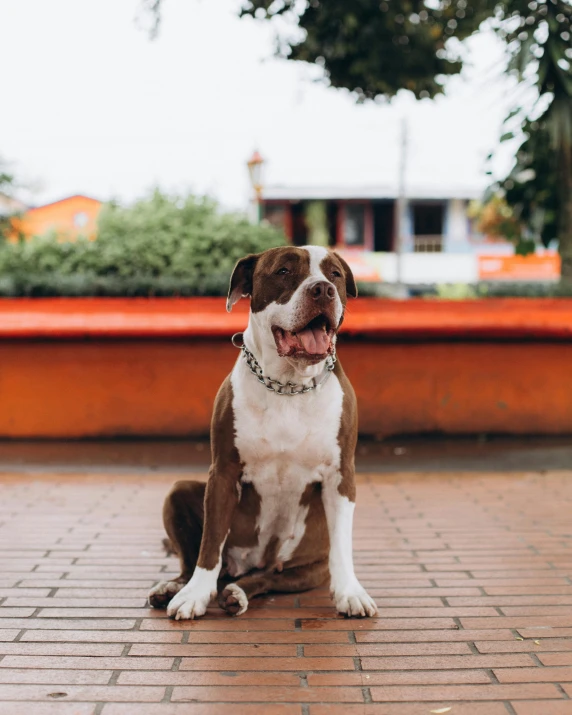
(284, 389)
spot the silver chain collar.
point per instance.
(287, 389)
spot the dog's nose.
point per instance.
(322, 290)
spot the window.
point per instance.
(383, 225)
(80, 219)
(428, 220)
(354, 225)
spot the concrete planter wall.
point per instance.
(73, 368)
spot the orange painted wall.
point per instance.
(69, 218)
(72, 368)
(462, 387)
(92, 388)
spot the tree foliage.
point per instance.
(496, 218)
(377, 48)
(538, 188)
(531, 191)
(6, 184)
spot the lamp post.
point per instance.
(401, 290)
(255, 172)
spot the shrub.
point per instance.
(563, 289)
(161, 245)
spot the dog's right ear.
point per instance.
(241, 280)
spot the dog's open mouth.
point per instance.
(313, 342)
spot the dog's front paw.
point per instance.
(233, 600)
(189, 603)
(354, 601)
(161, 594)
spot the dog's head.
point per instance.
(298, 296)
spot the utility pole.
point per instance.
(401, 289)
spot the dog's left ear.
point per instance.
(351, 287)
(241, 280)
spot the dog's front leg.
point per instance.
(221, 498)
(348, 594)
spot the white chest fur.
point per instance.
(284, 443)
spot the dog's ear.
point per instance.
(351, 287)
(241, 280)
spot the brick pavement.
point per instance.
(472, 574)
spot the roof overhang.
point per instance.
(379, 192)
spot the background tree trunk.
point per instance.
(565, 222)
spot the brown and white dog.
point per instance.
(276, 513)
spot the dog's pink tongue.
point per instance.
(315, 341)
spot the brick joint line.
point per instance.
(168, 694)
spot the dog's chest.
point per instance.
(286, 441)
(285, 444)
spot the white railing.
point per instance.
(427, 244)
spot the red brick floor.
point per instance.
(472, 574)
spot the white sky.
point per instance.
(91, 106)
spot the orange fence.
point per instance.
(54, 318)
(72, 368)
(533, 267)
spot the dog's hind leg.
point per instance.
(183, 517)
(234, 597)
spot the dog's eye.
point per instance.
(282, 271)
(336, 274)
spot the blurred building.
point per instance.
(440, 243)
(364, 217)
(67, 218)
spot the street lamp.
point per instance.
(401, 209)
(255, 172)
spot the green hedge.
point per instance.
(86, 285)
(501, 289)
(562, 289)
(161, 245)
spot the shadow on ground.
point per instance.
(436, 454)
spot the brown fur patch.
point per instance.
(242, 532)
(270, 286)
(241, 279)
(257, 276)
(332, 265)
(183, 519)
(347, 436)
(293, 580)
(221, 494)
